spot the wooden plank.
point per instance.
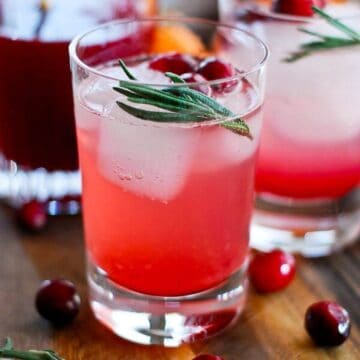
(270, 328)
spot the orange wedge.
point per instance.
(176, 38)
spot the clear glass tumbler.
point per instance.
(38, 156)
(308, 173)
(167, 187)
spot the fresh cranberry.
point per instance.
(175, 63)
(297, 7)
(208, 357)
(197, 78)
(32, 216)
(57, 301)
(271, 271)
(327, 323)
(215, 69)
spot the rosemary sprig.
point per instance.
(182, 104)
(8, 352)
(325, 42)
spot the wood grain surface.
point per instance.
(270, 328)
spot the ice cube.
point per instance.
(97, 94)
(220, 148)
(91, 100)
(312, 100)
(144, 158)
(146, 75)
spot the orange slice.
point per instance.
(176, 38)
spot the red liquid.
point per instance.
(37, 126)
(166, 209)
(36, 106)
(306, 170)
(185, 245)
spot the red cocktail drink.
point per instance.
(168, 177)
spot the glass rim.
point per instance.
(73, 46)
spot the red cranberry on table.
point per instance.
(271, 271)
(297, 7)
(175, 63)
(207, 357)
(57, 301)
(32, 216)
(216, 69)
(327, 323)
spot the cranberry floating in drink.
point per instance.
(175, 63)
(297, 7)
(308, 173)
(170, 166)
(38, 157)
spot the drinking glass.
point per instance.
(308, 174)
(38, 156)
(167, 205)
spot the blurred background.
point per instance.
(197, 8)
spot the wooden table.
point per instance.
(270, 328)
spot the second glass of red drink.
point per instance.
(308, 174)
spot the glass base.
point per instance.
(310, 228)
(166, 321)
(60, 189)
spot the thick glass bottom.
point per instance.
(310, 228)
(60, 189)
(167, 321)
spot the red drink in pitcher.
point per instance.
(37, 130)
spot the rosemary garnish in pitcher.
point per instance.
(181, 104)
(326, 42)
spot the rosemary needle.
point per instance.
(182, 104)
(325, 42)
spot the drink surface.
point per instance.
(37, 122)
(310, 146)
(167, 206)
